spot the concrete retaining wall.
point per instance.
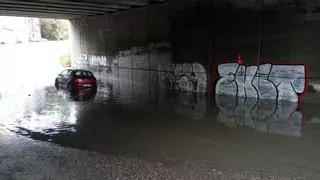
(134, 44)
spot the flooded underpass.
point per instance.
(169, 127)
(186, 90)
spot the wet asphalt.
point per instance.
(46, 134)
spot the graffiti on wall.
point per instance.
(263, 97)
(266, 81)
(88, 61)
(186, 77)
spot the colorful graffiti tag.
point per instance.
(266, 81)
(186, 77)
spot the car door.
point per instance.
(60, 77)
(64, 78)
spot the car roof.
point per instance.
(81, 70)
(78, 70)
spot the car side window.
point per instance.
(69, 73)
(66, 73)
(63, 73)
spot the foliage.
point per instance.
(54, 29)
(65, 60)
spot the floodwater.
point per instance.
(282, 138)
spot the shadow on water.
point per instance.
(242, 133)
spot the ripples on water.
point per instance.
(164, 123)
(48, 111)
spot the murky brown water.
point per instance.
(279, 137)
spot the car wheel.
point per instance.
(56, 84)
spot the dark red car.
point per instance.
(77, 81)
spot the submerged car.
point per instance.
(77, 81)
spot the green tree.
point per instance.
(53, 29)
(63, 29)
(65, 60)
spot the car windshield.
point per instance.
(83, 74)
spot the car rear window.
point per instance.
(83, 74)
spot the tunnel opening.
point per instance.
(33, 52)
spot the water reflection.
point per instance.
(168, 123)
(267, 116)
(185, 104)
(44, 110)
(50, 112)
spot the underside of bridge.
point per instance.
(68, 9)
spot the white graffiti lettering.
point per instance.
(186, 77)
(266, 81)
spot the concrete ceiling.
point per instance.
(67, 9)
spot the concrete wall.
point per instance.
(132, 51)
(280, 35)
(157, 46)
(125, 49)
